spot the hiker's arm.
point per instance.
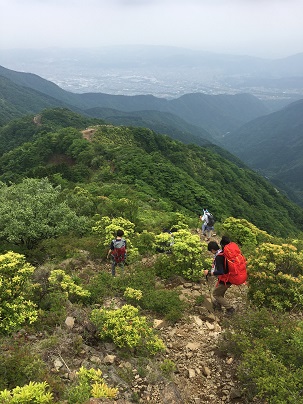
(111, 248)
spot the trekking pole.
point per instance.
(208, 285)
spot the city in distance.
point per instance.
(163, 71)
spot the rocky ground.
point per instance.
(202, 374)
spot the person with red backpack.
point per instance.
(118, 252)
(230, 267)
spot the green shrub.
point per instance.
(19, 365)
(167, 367)
(185, 257)
(244, 233)
(276, 277)
(126, 329)
(64, 247)
(164, 302)
(16, 290)
(101, 286)
(89, 383)
(132, 296)
(144, 242)
(270, 347)
(33, 393)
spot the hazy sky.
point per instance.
(267, 28)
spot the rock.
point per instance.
(109, 359)
(193, 346)
(198, 321)
(95, 359)
(191, 373)
(206, 371)
(70, 321)
(171, 395)
(235, 393)
(158, 323)
(58, 364)
(209, 325)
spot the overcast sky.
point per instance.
(266, 28)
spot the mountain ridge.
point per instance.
(273, 146)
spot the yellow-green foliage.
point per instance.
(58, 279)
(243, 232)
(107, 228)
(133, 293)
(126, 328)
(276, 276)
(16, 308)
(186, 254)
(32, 393)
(90, 383)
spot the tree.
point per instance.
(32, 211)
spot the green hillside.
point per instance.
(217, 114)
(17, 101)
(273, 145)
(162, 175)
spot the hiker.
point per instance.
(208, 224)
(227, 272)
(117, 252)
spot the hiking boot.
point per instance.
(230, 311)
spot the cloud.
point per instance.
(258, 27)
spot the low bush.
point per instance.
(270, 348)
(19, 365)
(127, 329)
(276, 277)
(31, 393)
(89, 383)
(164, 302)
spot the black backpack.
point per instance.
(210, 220)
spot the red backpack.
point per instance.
(119, 251)
(236, 263)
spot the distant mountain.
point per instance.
(193, 118)
(216, 114)
(163, 71)
(139, 56)
(273, 145)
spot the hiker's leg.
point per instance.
(218, 295)
(208, 232)
(121, 265)
(203, 229)
(113, 268)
